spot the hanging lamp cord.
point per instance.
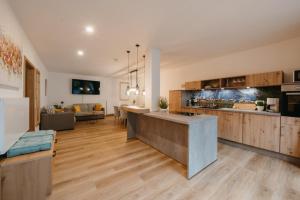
(137, 63)
(144, 56)
(128, 52)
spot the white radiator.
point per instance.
(14, 121)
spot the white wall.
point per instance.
(10, 24)
(283, 56)
(60, 84)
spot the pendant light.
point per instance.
(144, 91)
(137, 88)
(128, 87)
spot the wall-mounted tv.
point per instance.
(85, 87)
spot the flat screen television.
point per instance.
(85, 87)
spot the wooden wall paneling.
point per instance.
(262, 131)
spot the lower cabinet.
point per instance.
(230, 126)
(262, 131)
(290, 136)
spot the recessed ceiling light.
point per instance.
(89, 29)
(80, 53)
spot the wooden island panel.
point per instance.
(191, 140)
(163, 135)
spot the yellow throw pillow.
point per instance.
(59, 110)
(98, 107)
(77, 108)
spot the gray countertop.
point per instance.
(182, 119)
(136, 109)
(239, 110)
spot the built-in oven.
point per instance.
(290, 100)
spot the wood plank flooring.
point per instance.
(94, 162)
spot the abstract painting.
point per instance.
(11, 62)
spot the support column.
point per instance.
(153, 80)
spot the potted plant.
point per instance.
(260, 105)
(163, 104)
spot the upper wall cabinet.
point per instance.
(233, 82)
(193, 85)
(175, 100)
(264, 79)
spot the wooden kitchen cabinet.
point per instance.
(230, 126)
(265, 79)
(175, 100)
(193, 85)
(262, 131)
(290, 136)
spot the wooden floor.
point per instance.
(94, 161)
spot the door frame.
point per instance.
(29, 87)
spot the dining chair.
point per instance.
(123, 116)
(116, 112)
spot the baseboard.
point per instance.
(293, 160)
(107, 115)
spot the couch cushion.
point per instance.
(89, 113)
(83, 107)
(90, 107)
(99, 112)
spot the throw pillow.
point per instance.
(59, 110)
(77, 108)
(98, 107)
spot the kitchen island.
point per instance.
(191, 140)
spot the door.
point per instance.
(32, 91)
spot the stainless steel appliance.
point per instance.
(296, 76)
(290, 100)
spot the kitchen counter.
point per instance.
(236, 110)
(136, 109)
(191, 140)
(182, 119)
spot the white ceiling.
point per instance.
(185, 31)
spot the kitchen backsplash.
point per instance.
(251, 94)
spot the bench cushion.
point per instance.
(39, 133)
(29, 144)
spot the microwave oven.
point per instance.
(296, 76)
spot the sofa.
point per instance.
(57, 121)
(87, 112)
